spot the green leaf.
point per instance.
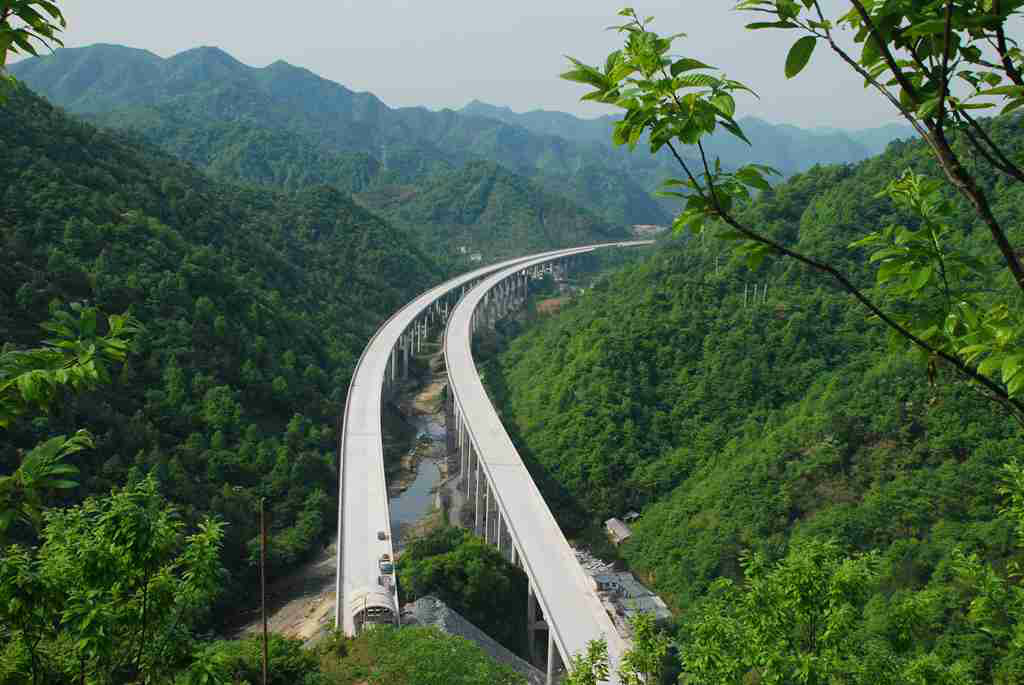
(1015, 384)
(990, 364)
(696, 81)
(60, 484)
(928, 107)
(972, 351)
(752, 178)
(735, 129)
(1011, 365)
(687, 64)
(926, 28)
(725, 104)
(799, 55)
(772, 25)
(1003, 90)
(972, 105)
(1013, 105)
(888, 270)
(921, 277)
(871, 54)
(586, 74)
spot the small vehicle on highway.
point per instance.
(385, 564)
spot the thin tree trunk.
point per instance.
(263, 585)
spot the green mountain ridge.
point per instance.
(485, 208)
(205, 88)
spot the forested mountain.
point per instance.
(211, 109)
(482, 206)
(254, 304)
(741, 423)
(787, 148)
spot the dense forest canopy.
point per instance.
(748, 410)
(471, 577)
(254, 307)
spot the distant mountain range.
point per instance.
(185, 101)
(788, 148)
(287, 127)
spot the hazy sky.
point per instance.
(443, 53)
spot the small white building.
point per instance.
(618, 531)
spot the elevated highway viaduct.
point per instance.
(362, 592)
(509, 510)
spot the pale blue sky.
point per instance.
(444, 53)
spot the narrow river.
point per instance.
(413, 489)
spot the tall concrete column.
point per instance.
(462, 445)
(405, 355)
(478, 514)
(487, 511)
(551, 657)
(501, 531)
(467, 451)
(531, 624)
(450, 421)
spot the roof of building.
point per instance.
(650, 604)
(617, 528)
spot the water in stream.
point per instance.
(417, 500)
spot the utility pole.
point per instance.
(263, 584)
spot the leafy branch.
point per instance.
(677, 101)
(39, 21)
(75, 357)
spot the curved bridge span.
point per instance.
(362, 592)
(509, 510)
